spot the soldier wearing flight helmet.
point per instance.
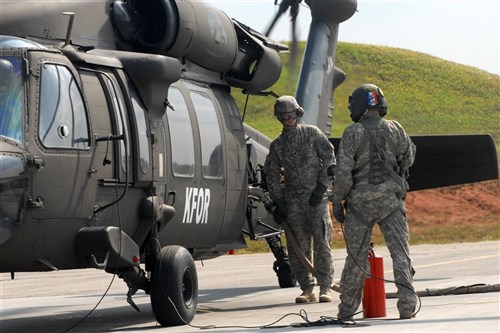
(298, 171)
(370, 186)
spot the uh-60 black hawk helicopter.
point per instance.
(122, 149)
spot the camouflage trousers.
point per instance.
(312, 229)
(390, 214)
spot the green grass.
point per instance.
(427, 95)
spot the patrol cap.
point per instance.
(285, 104)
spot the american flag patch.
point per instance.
(371, 98)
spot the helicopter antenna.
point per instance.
(257, 93)
(245, 108)
(70, 26)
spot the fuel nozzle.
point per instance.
(371, 254)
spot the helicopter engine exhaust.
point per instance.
(200, 33)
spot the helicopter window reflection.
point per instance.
(140, 119)
(11, 98)
(211, 142)
(63, 121)
(181, 135)
(118, 102)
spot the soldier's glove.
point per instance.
(338, 212)
(279, 212)
(317, 195)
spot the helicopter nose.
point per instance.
(13, 185)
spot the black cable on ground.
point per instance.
(460, 290)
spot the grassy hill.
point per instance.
(427, 95)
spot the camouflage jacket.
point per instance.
(352, 173)
(300, 157)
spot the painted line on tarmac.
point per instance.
(452, 262)
(457, 261)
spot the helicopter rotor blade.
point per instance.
(283, 7)
(294, 11)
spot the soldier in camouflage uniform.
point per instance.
(299, 168)
(370, 186)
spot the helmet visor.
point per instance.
(287, 115)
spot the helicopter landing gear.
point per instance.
(281, 266)
(286, 279)
(174, 287)
(272, 235)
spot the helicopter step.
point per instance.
(105, 247)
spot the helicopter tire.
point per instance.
(174, 287)
(286, 279)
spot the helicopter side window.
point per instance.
(181, 135)
(211, 142)
(63, 121)
(11, 98)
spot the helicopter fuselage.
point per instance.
(87, 154)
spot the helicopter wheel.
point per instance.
(285, 275)
(174, 287)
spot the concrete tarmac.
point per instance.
(240, 293)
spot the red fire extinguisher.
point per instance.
(374, 288)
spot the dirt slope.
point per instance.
(471, 203)
(463, 213)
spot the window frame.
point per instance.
(174, 146)
(60, 129)
(21, 110)
(204, 128)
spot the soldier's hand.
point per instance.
(280, 206)
(279, 212)
(315, 199)
(338, 212)
(317, 195)
(278, 217)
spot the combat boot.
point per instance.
(406, 315)
(308, 295)
(343, 317)
(325, 294)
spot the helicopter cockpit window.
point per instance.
(211, 142)
(11, 98)
(63, 121)
(181, 135)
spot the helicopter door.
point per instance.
(62, 186)
(197, 165)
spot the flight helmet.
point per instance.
(286, 105)
(366, 97)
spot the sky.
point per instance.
(465, 32)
